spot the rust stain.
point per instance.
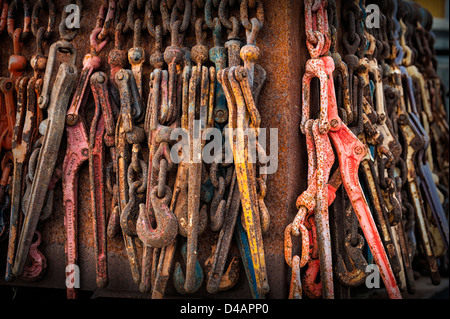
(282, 54)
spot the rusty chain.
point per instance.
(375, 125)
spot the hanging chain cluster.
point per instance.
(216, 87)
(379, 118)
(374, 124)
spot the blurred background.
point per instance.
(440, 11)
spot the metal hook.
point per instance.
(167, 224)
(179, 278)
(356, 275)
(37, 264)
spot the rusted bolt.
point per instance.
(358, 150)
(71, 119)
(100, 79)
(219, 113)
(402, 119)
(334, 123)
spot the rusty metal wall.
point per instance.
(283, 55)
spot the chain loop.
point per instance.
(249, 25)
(108, 20)
(39, 5)
(13, 9)
(131, 22)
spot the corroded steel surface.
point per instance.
(283, 56)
